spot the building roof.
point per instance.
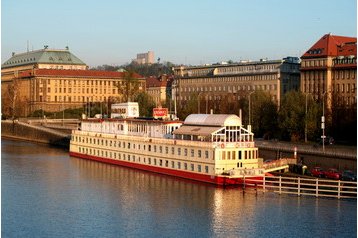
(75, 73)
(213, 120)
(162, 81)
(332, 45)
(44, 56)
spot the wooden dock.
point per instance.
(304, 186)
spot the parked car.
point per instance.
(317, 172)
(333, 174)
(348, 175)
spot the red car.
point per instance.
(318, 172)
(333, 174)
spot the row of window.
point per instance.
(146, 160)
(241, 154)
(78, 90)
(76, 99)
(343, 88)
(150, 148)
(233, 88)
(229, 69)
(235, 79)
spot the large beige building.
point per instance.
(145, 58)
(329, 70)
(214, 82)
(53, 80)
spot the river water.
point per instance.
(46, 193)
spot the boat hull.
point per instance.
(217, 180)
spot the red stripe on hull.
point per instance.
(217, 180)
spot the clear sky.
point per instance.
(183, 32)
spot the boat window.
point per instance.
(240, 154)
(166, 163)
(160, 162)
(199, 168)
(185, 166)
(173, 164)
(149, 160)
(178, 165)
(155, 161)
(206, 169)
(192, 167)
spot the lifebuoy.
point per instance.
(222, 145)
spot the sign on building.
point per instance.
(160, 112)
(125, 110)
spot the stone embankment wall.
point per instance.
(23, 131)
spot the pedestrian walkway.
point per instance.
(332, 150)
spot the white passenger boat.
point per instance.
(212, 148)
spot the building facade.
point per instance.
(214, 82)
(329, 70)
(41, 82)
(159, 88)
(145, 58)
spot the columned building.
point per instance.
(53, 80)
(214, 82)
(329, 70)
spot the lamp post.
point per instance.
(323, 122)
(250, 107)
(306, 94)
(199, 102)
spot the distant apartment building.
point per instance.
(159, 88)
(145, 58)
(329, 69)
(53, 80)
(214, 82)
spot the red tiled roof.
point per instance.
(76, 73)
(153, 81)
(331, 45)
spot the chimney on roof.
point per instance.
(13, 53)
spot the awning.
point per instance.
(197, 130)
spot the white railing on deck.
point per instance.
(305, 186)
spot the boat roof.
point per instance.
(197, 130)
(213, 120)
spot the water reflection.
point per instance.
(46, 193)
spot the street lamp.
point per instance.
(199, 102)
(306, 119)
(250, 107)
(323, 122)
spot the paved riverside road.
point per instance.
(307, 148)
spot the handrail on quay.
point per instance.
(304, 186)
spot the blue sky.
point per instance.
(183, 32)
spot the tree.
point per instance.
(11, 99)
(146, 104)
(293, 118)
(128, 87)
(264, 114)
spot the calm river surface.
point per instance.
(46, 193)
